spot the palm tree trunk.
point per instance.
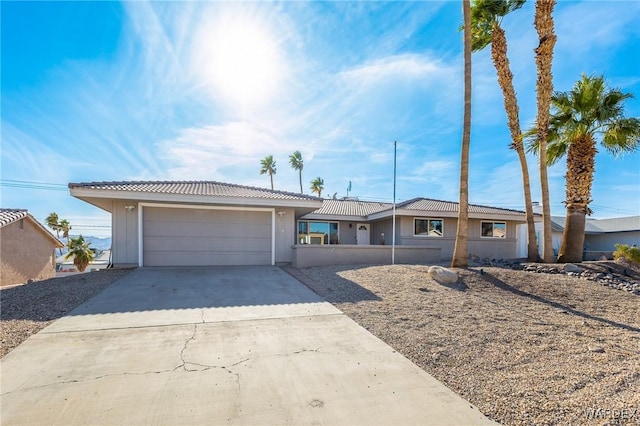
(460, 247)
(544, 87)
(271, 176)
(505, 79)
(300, 177)
(581, 159)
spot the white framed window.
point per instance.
(428, 227)
(317, 232)
(494, 229)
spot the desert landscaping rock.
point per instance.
(571, 268)
(443, 275)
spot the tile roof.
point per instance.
(350, 208)
(8, 216)
(428, 204)
(206, 188)
(601, 226)
(366, 208)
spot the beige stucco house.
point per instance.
(27, 248)
(212, 223)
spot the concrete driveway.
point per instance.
(199, 346)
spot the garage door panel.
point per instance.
(202, 237)
(172, 244)
(208, 259)
(206, 216)
(181, 230)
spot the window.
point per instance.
(427, 227)
(311, 232)
(494, 229)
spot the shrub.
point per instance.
(623, 251)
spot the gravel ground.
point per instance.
(27, 309)
(525, 348)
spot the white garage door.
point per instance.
(199, 237)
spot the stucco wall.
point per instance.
(319, 255)
(25, 253)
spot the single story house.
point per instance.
(27, 248)
(600, 235)
(211, 223)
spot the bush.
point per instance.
(623, 251)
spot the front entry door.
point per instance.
(362, 235)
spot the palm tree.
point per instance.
(53, 222)
(486, 17)
(65, 227)
(543, 22)
(296, 162)
(268, 167)
(81, 252)
(588, 111)
(460, 248)
(317, 185)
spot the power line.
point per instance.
(25, 184)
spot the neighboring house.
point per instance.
(601, 235)
(212, 223)
(27, 248)
(101, 260)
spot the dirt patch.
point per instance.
(525, 348)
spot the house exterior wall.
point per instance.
(607, 242)
(347, 235)
(483, 247)
(25, 253)
(124, 241)
(384, 227)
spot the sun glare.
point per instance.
(242, 61)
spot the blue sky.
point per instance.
(95, 91)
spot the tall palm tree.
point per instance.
(268, 167)
(486, 19)
(81, 252)
(297, 163)
(543, 22)
(317, 185)
(65, 227)
(460, 248)
(53, 222)
(587, 112)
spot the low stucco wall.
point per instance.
(320, 255)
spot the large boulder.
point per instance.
(443, 275)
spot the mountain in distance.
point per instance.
(98, 243)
